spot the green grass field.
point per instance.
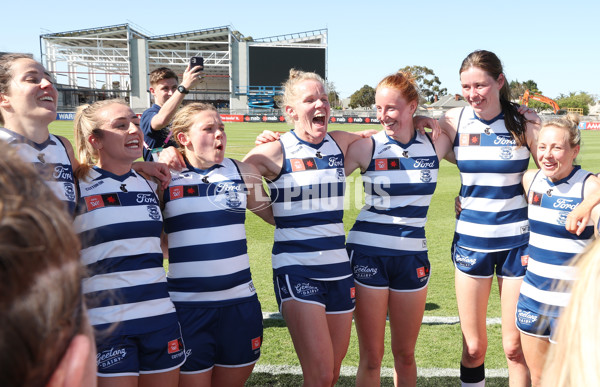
(439, 345)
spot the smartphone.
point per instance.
(197, 61)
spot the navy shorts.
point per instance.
(535, 323)
(505, 263)
(131, 355)
(336, 296)
(226, 336)
(406, 273)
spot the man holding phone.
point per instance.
(168, 95)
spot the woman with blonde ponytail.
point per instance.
(552, 192)
(119, 222)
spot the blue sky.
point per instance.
(556, 44)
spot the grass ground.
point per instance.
(439, 345)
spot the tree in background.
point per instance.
(429, 84)
(582, 100)
(365, 97)
(334, 97)
(517, 89)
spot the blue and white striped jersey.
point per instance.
(551, 246)
(494, 210)
(308, 206)
(204, 212)
(399, 183)
(119, 222)
(51, 160)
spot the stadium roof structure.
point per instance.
(121, 57)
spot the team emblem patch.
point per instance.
(69, 191)
(98, 201)
(470, 139)
(562, 217)
(182, 191)
(174, 346)
(524, 260)
(387, 164)
(425, 175)
(506, 153)
(232, 198)
(535, 198)
(153, 212)
(256, 343)
(303, 164)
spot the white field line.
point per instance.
(428, 320)
(385, 372)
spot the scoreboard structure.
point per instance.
(241, 73)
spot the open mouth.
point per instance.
(220, 147)
(133, 144)
(319, 119)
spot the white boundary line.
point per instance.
(428, 320)
(385, 372)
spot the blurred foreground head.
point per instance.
(45, 337)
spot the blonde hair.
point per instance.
(182, 121)
(404, 82)
(41, 302)
(290, 94)
(575, 359)
(87, 122)
(570, 123)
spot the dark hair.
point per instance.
(6, 62)
(491, 64)
(41, 305)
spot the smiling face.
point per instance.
(554, 153)
(205, 141)
(310, 111)
(121, 140)
(30, 96)
(482, 92)
(163, 90)
(395, 113)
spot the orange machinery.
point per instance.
(538, 97)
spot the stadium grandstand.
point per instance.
(241, 73)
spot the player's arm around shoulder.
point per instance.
(534, 124)
(258, 200)
(344, 139)
(528, 179)
(70, 152)
(444, 145)
(267, 159)
(359, 155)
(591, 194)
(449, 123)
